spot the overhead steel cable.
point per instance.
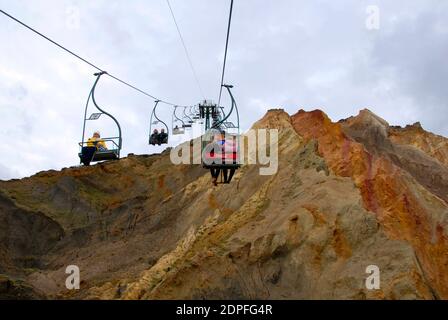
(85, 60)
(225, 52)
(186, 50)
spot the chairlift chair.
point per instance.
(220, 160)
(154, 120)
(194, 114)
(90, 153)
(188, 121)
(178, 124)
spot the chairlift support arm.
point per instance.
(186, 116)
(176, 117)
(234, 107)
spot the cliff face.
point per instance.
(346, 195)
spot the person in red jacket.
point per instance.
(228, 151)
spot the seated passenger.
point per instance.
(229, 153)
(219, 138)
(97, 142)
(154, 139)
(216, 148)
(230, 145)
(163, 137)
(224, 152)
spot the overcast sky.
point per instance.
(283, 53)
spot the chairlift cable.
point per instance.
(186, 50)
(83, 59)
(225, 52)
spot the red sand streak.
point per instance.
(384, 191)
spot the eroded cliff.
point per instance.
(346, 195)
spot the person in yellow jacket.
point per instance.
(97, 141)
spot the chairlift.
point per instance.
(158, 138)
(187, 119)
(220, 151)
(194, 114)
(177, 123)
(187, 122)
(90, 150)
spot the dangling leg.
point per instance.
(232, 172)
(215, 179)
(215, 174)
(225, 175)
(212, 172)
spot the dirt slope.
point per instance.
(346, 195)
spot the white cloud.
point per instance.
(296, 54)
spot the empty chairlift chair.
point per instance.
(186, 119)
(178, 124)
